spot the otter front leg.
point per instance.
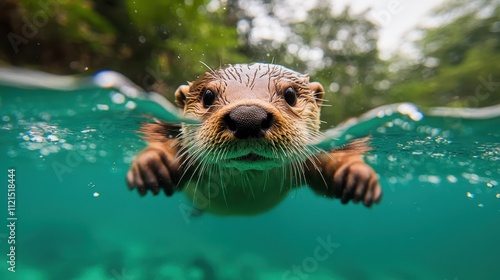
(155, 168)
(346, 176)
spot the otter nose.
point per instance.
(248, 121)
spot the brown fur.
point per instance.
(176, 155)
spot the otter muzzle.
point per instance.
(248, 121)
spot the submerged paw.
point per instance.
(357, 181)
(150, 171)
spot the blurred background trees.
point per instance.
(459, 63)
(161, 44)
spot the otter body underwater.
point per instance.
(253, 145)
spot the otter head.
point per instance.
(254, 117)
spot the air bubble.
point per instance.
(491, 184)
(102, 107)
(130, 105)
(52, 138)
(67, 146)
(451, 179)
(37, 139)
(117, 98)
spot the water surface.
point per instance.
(71, 141)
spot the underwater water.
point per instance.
(67, 144)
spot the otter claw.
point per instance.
(356, 181)
(150, 171)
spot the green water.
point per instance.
(71, 147)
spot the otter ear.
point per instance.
(180, 95)
(319, 92)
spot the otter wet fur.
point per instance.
(254, 144)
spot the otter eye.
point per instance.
(291, 96)
(208, 98)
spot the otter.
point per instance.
(254, 143)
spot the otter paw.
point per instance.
(357, 181)
(151, 171)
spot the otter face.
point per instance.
(254, 117)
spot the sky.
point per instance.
(396, 19)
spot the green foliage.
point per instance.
(460, 59)
(158, 45)
(161, 44)
(185, 36)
